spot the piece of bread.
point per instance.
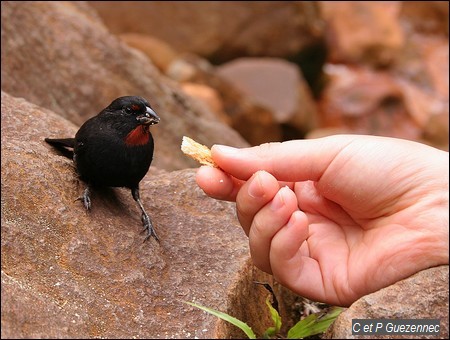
(197, 151)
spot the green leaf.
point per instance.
(238, 323)
(270, 290)
(271, 331)
(313, 324)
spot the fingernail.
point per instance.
(278, 201)
(255, 188)
(224, 149)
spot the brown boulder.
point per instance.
(277, 85)
(219, 30)
(209, 97)
(71, 274)
(59, 55)
(254, 122)
(407, 92)
(160, 53)
(421, 296)
(429, 17)
(363, 101)
(362, 31)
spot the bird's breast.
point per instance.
(138, 136)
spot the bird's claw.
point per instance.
(148, 227)
(86, 198)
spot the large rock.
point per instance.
(219, 30)
(421, 296)
(253, 121)
(60, 56)
(278, 85)
(159, 52)
(429, 17)
(363, 32)
(209, 97)
(364, 101)
(393, 73)
(71, 274)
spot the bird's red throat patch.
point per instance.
(138, 136)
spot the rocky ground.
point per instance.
(240, 74)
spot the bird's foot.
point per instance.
(148, 227)
(146, 221)
(86, 198)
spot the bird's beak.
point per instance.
(149, 118)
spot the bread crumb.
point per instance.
(197, 151)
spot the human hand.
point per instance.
(338, 217)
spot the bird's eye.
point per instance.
(132, 108)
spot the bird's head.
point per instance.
(136, 116)
(136, 108)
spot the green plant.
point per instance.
(238, 323)
(313, 324)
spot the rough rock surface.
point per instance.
(59, 55)
(71, 274)
(209, 97)
(160, 53)
(219, 30)
(254, 122)
(367, 102)
(363, 31)
(360, 100)
(429, 17)
(421, 296)
(278, 85)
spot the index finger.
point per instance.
(296, 160)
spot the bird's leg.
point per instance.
(86, 198)
(146, 221)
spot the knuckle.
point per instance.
(265, 149)
(259, 228)
(265, 153)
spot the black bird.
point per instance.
(114, 149)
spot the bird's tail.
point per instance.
(63, 144)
